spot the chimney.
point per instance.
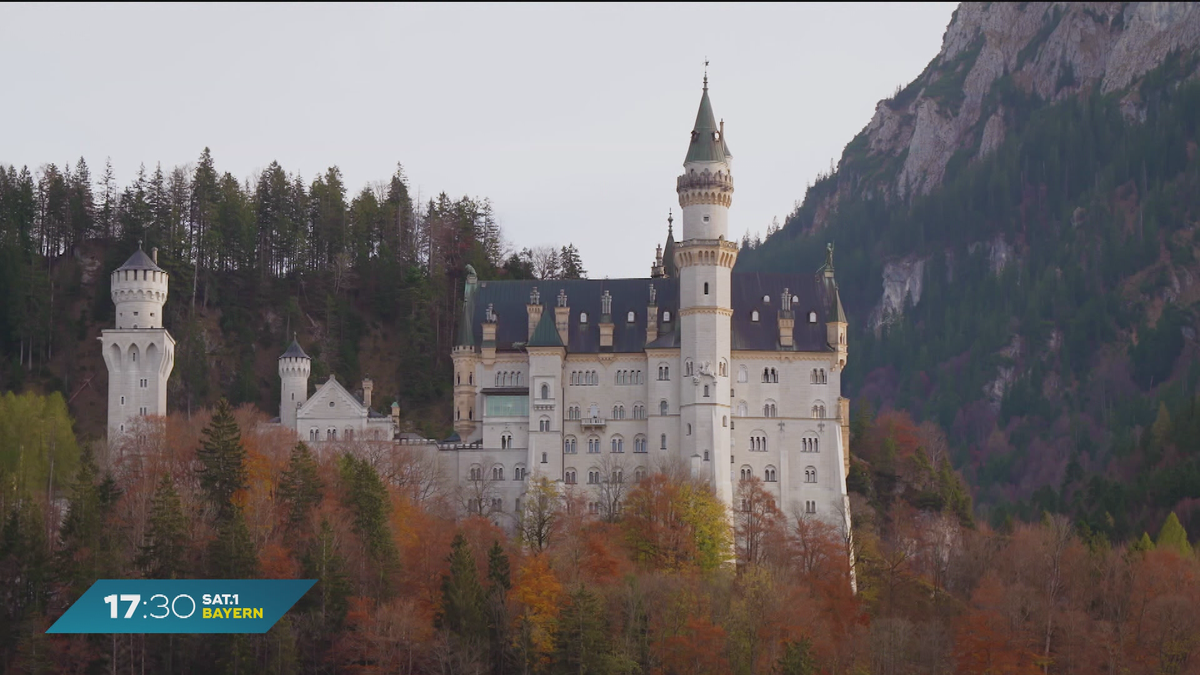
(606, 324)
(562, 317)
(154, 255)
(652, 316)
(535, 311)
(368, 385)
(488, 348)
(787, 321)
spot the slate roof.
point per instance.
(705, 145)
(546, 333)
(294, 351)
(140, 261)
(508, 299)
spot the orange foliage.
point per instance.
(985, 642)
(537, 591)
(276, 562)
(697, 651)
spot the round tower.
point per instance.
(139, 352)
(704, 260)
(294, 369)
(139, 290)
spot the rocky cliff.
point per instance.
(957, 106)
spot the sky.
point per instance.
(573, 119)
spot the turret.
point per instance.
(466, 359)
(562, 317)
(139, 290)
(606, 323)
(294, 368)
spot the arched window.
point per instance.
(812, 317)
(593, 477)
(569, 476)
(810, 444)
(723, 368)
(769, 409)
(724, 420)
(770, 474)
(569, 445)
(631, 318)
(747, 472)
(706, 288)
(742, 409)
(706, 391)
(742, 374)
(774, 376)
(662, 407)
(544, 424)
(593, 445)
(689, 430)
(470, 378)
(545, 391)
(810, 474)
(639, 444)
(476, 472)
(687, 368)
(754, 315)
(498, 472)
(766, 376)
(824, 379)
(618, 444)
(666, 316)
(662, 442)
(639, 474)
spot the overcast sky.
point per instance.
(573, 119)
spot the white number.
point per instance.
(111, 600)
(133, 601)
(164, 606)
(182, 616)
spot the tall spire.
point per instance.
(669, 249)
(707, 144)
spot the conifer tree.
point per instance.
(164, 553)
(1172, 536)
(232, 554)
(582, 643)
(463, 597)
(366, 497)
(300, 487)
(323, 561)
(223, 460)
(499, 583)
(571, 263)
(89, 549)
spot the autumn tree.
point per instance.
(756, 521)
(540, 514)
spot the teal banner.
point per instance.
(182, 606)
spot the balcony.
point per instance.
(593, 422)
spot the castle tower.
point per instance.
(466, 360)
(704, 259)
(139, 352)
(294, 368)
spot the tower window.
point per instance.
(812, 317)
(666, 316)
(706, 218)
(583, 317)
(706, 288)
(631, 317)
(754, 315)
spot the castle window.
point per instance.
(747, 473)
(706, 455)
(689, 430)
(662, 408)
(544, 424)
(476, 472)
(349, 434)
(639, 444)
(706, 391)
(770, 474)
(742, 374)
(593, 477)
(133, 356)
(809, 444)
(583, 317)
(754, 315)
(314, 434)
(812, 317)
(331, 404)
(724, 421)
(706, 288)
(810, 507)
(497, 472)
(545, 391)
(769, 409)
(618, 445)
(593, 445)
(505, 441)
(569, 445)
(639, 474)
(122, 400)
(706, 217)
(631, 317)
(766, 299)
(569, 476)
(639, 412)
(470, 378)
(662, 440)
(543, 458)
(810, 474)
(666, 316)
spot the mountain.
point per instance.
(1016, 243)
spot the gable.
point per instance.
(344, 405)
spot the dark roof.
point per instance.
(509, 299)
(140, 261)
(546, 333)
(465, 337)
(669, 253)
(706, 144)
(294, 351)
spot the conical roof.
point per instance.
(294, 351)
(706, 145)
(140, 261)
(546, 333)
(669, 254)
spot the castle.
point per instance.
(593, 383)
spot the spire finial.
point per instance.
(705, 73)
(670, 222)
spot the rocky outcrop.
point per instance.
(1043, 49)
(902, 279)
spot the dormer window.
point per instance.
(812, 317)
(631, 318)
(766, 299)
(666, 316)
(716, 135)
(754, 315)
(583, 317)
(331, 404)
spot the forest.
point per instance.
(670, 583)
(1054, 339)
(369, 281)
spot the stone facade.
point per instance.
(139, 352)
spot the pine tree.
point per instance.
(367, 498)
(231, 555)
(582, 643)
(223, 460)
(1172, 536)
(571, 263)
(499, 583)
(301, 487)
(323, 561)
(463, 597)
(164, 553)
(89, 546)
(797, 659)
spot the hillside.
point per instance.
(1015, 232)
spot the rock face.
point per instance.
(901, 279)
(1048, 50)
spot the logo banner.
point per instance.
(182, 606)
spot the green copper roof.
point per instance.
(840, 316)
(669, 255)
(466, 336)
(546, 333)
(707, 144)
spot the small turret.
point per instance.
(294, 369)
(139, 290)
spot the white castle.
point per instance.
(593, 383)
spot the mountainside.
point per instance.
(1015, 237)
